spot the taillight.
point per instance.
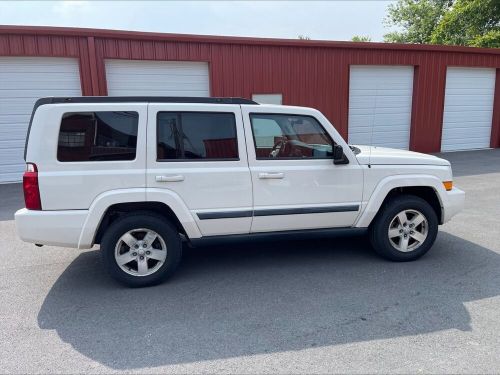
(30, 187)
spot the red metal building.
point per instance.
(318, 74)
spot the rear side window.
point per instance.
(98, 136)
(196, 136)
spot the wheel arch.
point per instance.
(427, 193)
(118, 210)
(429, 188)
(111, 204)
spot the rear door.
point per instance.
(198, 152)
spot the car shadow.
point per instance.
(244, 299)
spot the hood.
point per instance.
(382, 155)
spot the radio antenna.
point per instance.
(374, 113)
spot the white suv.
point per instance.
(140, 175)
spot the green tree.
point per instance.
(416, 20)
(455, 22)
(361, 38)
(470, 23)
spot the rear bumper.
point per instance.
(455, 203)
(57, 228)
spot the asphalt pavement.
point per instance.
(316, 306)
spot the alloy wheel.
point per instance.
(408, 230)
(140, 252)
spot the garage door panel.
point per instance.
(455, 118)
(457, 82)
(380, 101)
(13, 154)
(389, 120)
(157, 86)
(14, 119)
(155, 81)
(162, 78)
(17, 134)
(149, 92)
(18, 106)
(464, 132)
(470, 100)
(390, 93)
(376, 102)
(367, 111)
(34, 94)
(468, 108)
(23, 80)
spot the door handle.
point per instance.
(271, 175)
(171, 178)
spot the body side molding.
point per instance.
(276, 211)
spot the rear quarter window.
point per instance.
(98, 136)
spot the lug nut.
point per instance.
(136, 246)
(141, 257)
(411, 232)
(134, 254)
(148, 252)
(144, 245)
(400, 231)
(405, 235)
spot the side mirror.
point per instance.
(339, 156)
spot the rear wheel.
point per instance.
(405, 228)
(141, 249)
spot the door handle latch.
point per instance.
(171, 178)
(271, 175)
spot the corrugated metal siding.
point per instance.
(309, 73)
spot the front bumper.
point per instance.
(455, 203)
(57, 228)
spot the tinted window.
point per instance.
(289, 136)
(98, 136)
(196, 135)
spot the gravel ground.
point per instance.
(328, 305)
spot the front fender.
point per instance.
(389, 183)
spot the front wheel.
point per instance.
(141, 249)
(405, 228)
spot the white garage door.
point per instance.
(22, 81)
(157, 78)
(468, 108)
(380, 99)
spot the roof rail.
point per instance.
(150, 99)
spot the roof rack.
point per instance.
(150, 99)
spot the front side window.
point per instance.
(281, 136)
(98, 136)
(196, 136)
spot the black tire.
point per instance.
(146, 220)
(378, 232)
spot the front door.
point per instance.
(295, 183)
(198, 153)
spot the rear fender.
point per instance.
(103, 201)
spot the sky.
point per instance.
(323, 20)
